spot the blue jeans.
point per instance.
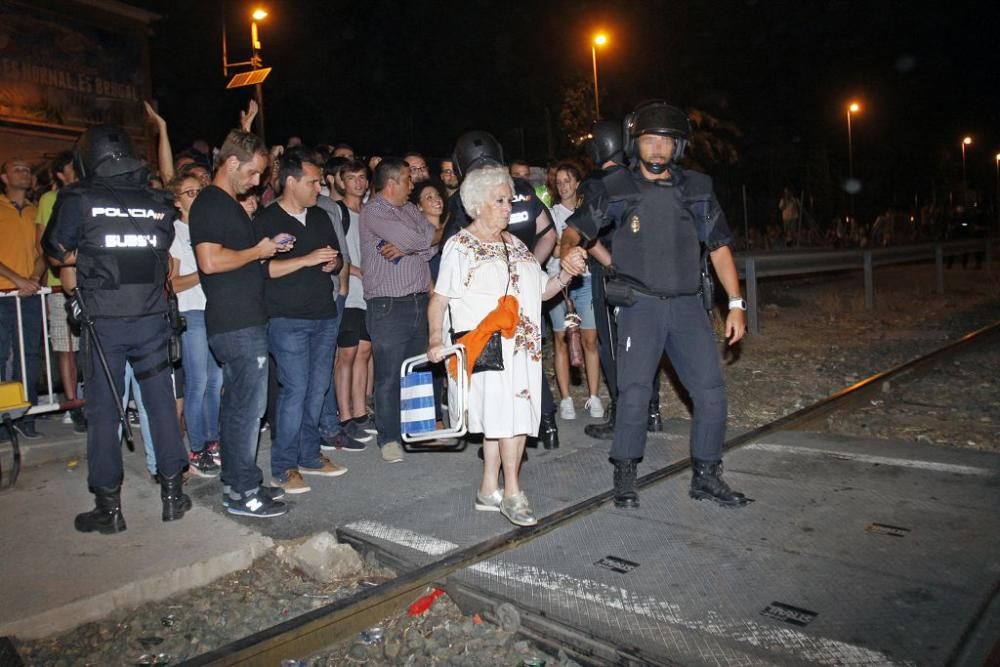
(132, 388)
(202, 383)
(303, 352)
(398, 328)
(329, 417)
(243, 355)
(10, 349)
(583, 300)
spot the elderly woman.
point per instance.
(489, 281)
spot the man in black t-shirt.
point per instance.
(229, 256)
(302, 331)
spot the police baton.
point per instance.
(79, 313)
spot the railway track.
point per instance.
(322, 627)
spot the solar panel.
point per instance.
(251, 78)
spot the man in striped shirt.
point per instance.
(396, 244)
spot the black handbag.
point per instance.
(491, 358)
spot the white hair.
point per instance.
(478, 185)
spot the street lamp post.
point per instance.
(852, 108)
(255, 63)
(998, 191)
(599, 40)
(965, 142)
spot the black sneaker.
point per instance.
(27, 430)
(203, 465)
(341, 442)
(369, 425)
(79, 421)
(356, 431)
(272, 492)
(256, 504)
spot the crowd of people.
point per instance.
(299, 278)
(303, 276)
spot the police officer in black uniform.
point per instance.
(606, 150)
(662, 215)
(117, 231)
(529, 221)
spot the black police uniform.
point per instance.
(122, 231)
(658, 228)
(607, 340)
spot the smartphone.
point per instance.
(380, 245)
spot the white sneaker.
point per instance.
(392, 452)
(67, 418)
(566, 409)
(595, 406)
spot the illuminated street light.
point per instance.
(852, 108)
(255, 63)
(600, 39)
(967, 141)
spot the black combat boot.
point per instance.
(175, 501)
(106, 517)
(655, 422)
(707, 482)
(548, 432)
(626, 492)
(605, 430)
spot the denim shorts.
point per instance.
(583, 299)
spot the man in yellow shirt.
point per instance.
(21, 269)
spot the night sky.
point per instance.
(388, 76)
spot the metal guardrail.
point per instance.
(752, 266)
(46, 403)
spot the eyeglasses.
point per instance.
(192, 193)
(447, 171)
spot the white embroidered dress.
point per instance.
(473, 275)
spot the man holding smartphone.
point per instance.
(232, 276)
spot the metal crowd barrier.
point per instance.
(47, 403)
(752, 266)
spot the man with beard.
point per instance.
(232, 276)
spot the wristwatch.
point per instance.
(737, 302)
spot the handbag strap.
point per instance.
(506, 254)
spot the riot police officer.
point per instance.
(606, 150)
(529, 221)
(662, 216)
(117, 231)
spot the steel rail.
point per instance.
(321, 627)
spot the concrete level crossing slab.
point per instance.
(855, 552)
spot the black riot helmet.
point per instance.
(105, 151)
(657, 117)
(476, 149)
(605, 143)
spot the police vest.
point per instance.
(656, 239)
(122, 259)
